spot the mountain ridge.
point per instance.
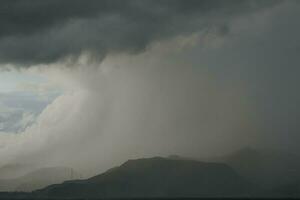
(157, 177)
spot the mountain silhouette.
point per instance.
(157, 177)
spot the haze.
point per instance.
(115, 80)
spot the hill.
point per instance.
(157, 177)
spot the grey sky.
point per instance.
(149, 78)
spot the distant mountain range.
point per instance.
(15, 170)
(245, 173)
(38, 179)
(269, 169)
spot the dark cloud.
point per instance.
(34, 31)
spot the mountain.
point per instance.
(157, 177)
(38, 179)
(14, 170)
(269, 169)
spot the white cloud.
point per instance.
(23, 95)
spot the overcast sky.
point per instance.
(89, 84)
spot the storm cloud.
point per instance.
(149, 78)
(39, 32)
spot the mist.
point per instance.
(207, 92)
(130, 107)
